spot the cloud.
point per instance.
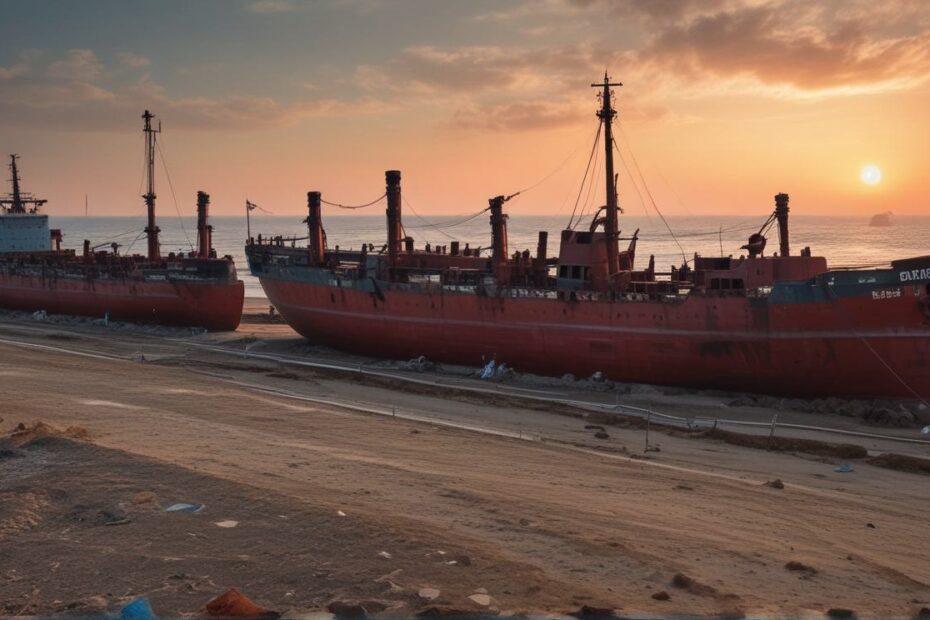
(519, 116)
(430, 70)
(68, 95)
(78, 64)
(7, 73)
(133, 60)
(267, 7)
(760, 42)
(496, 88)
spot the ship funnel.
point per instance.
(498, 229)
(781, 214)
(394, 225)
(204, 229)
(315, 228)
(542, 247)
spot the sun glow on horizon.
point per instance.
(871, 175)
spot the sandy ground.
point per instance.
(549, 519)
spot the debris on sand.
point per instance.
(185, 507)
(234, 604)
(442, 612)
(661, 595)
(587, 612)
(420, 364)
(775, 484)
(480, 599)
(144, 497)
(684, 582)
(347, 611)
(429, 594)
(228, 524)
(794, 565)
(139, 609)
(839, 613)
(601, 435)
(845, 468)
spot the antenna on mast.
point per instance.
(611, 225)
(151, 230)
(17, 201)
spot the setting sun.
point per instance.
(871, 175)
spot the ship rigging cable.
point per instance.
(597, 140)
(646, 187)
(440, 227)
(164, 165)
(367, 204)
(553, 172)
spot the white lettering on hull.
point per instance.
(915, 274)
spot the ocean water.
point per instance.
(844, 241)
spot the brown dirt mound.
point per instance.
(790, 444)
(901, 462)
(23, 435)
(234, 604)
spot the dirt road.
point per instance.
(550, 521)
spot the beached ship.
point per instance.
(195, 289)
(781, 323)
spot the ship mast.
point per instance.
(151, 230)
(611, 225)
(17, 201)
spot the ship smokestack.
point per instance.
(781, 214)
(542, 248)
(315, 228)
(498, 229)
(394, 226)
(204, 230)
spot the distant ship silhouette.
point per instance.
(881, 219)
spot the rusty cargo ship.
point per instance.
(196, 289)
(782, 323)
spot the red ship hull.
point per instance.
(216, 306)
(856, 347)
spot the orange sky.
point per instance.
(725, 103)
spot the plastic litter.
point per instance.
(183, 507)
(429, 593)
(488, 371)
(925, 430)
(139, 609)
(385, 555)
(340, 513)
(227, 524)
(845, 468)
(480, 599)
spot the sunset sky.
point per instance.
(724, 103)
